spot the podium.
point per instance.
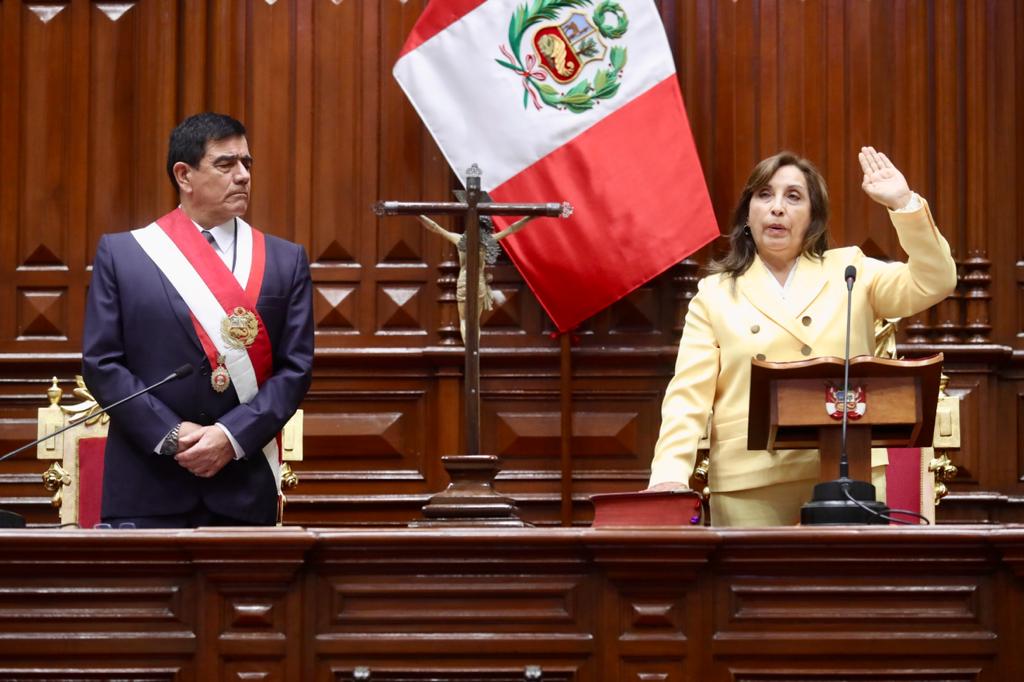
(797, 405)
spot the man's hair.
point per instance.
(189, 139)
(741, 243)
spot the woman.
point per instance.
(779, 295)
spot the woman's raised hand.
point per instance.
(883, 181)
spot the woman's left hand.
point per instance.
(883, 181)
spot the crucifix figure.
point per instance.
(471, 272)
(487, 253)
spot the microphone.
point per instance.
(12, 520)
(844, 464)
(844, 501)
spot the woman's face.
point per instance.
(779, 215)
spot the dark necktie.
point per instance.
(209, 238)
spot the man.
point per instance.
(202, 287)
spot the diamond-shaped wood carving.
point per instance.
(250, 615)
(46, 12)
(42, 314)
(594, 433)
(335, 252)
(334, 308)
(636, 313)
(358, 434)
(398, 308)
(42, 255)
(114, 10)
(400, 248)
(651, 615)
(507, 311)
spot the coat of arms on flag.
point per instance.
(568, 100)
(561, 49)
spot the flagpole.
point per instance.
(472, 319)
(566, 445)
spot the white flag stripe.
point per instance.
(496, 132)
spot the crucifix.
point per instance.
(472, 208)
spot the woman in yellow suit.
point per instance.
(779, 295)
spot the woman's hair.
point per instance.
(741, 242)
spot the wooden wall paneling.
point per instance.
(49, 177)
(269, 91)
(132, 108)
(833, 164)
(369, 453)
(10, 148)
(692, 39)
(227, 67)
(802, 76)
(1017, 284)
(1001, 140)
(771, 74)
(341, 180)
(978, 327)
(402, 289)
(859, 99)
(736, 98)
(302, 139)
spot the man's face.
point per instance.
(218, 189)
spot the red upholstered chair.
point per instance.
(75, 476)
(915, 478)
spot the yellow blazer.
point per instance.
(732, 320)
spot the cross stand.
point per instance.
(470, 498)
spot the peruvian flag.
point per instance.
(566, 100)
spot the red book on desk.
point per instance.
(669, 508)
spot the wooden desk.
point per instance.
(292, 604)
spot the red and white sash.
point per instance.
(212, 292)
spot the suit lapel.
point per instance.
(759, 286)
(181, 312)
(808, 282)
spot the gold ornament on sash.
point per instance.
(239, 329)
(219, 377)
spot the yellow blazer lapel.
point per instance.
(808, 281)
(759, 286)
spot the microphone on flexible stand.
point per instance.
(844, 501)
(10, 519)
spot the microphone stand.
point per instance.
(9, 519)
(844, 500)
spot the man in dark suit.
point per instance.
(198, 286)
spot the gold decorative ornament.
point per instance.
(219, 377)
(288, 477)
(240, 328)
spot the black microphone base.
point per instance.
(9, 519)
(829, 506)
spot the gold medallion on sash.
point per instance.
(239, 329)
(219, 377)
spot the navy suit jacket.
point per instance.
(137, 331)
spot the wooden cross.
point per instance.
(472, 208)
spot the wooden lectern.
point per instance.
(799, 405)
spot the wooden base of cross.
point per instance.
(470, 498)
(470, 493)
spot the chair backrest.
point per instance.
(75, 476)
(915, 477)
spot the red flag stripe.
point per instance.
(620, 235)
(438, 15)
